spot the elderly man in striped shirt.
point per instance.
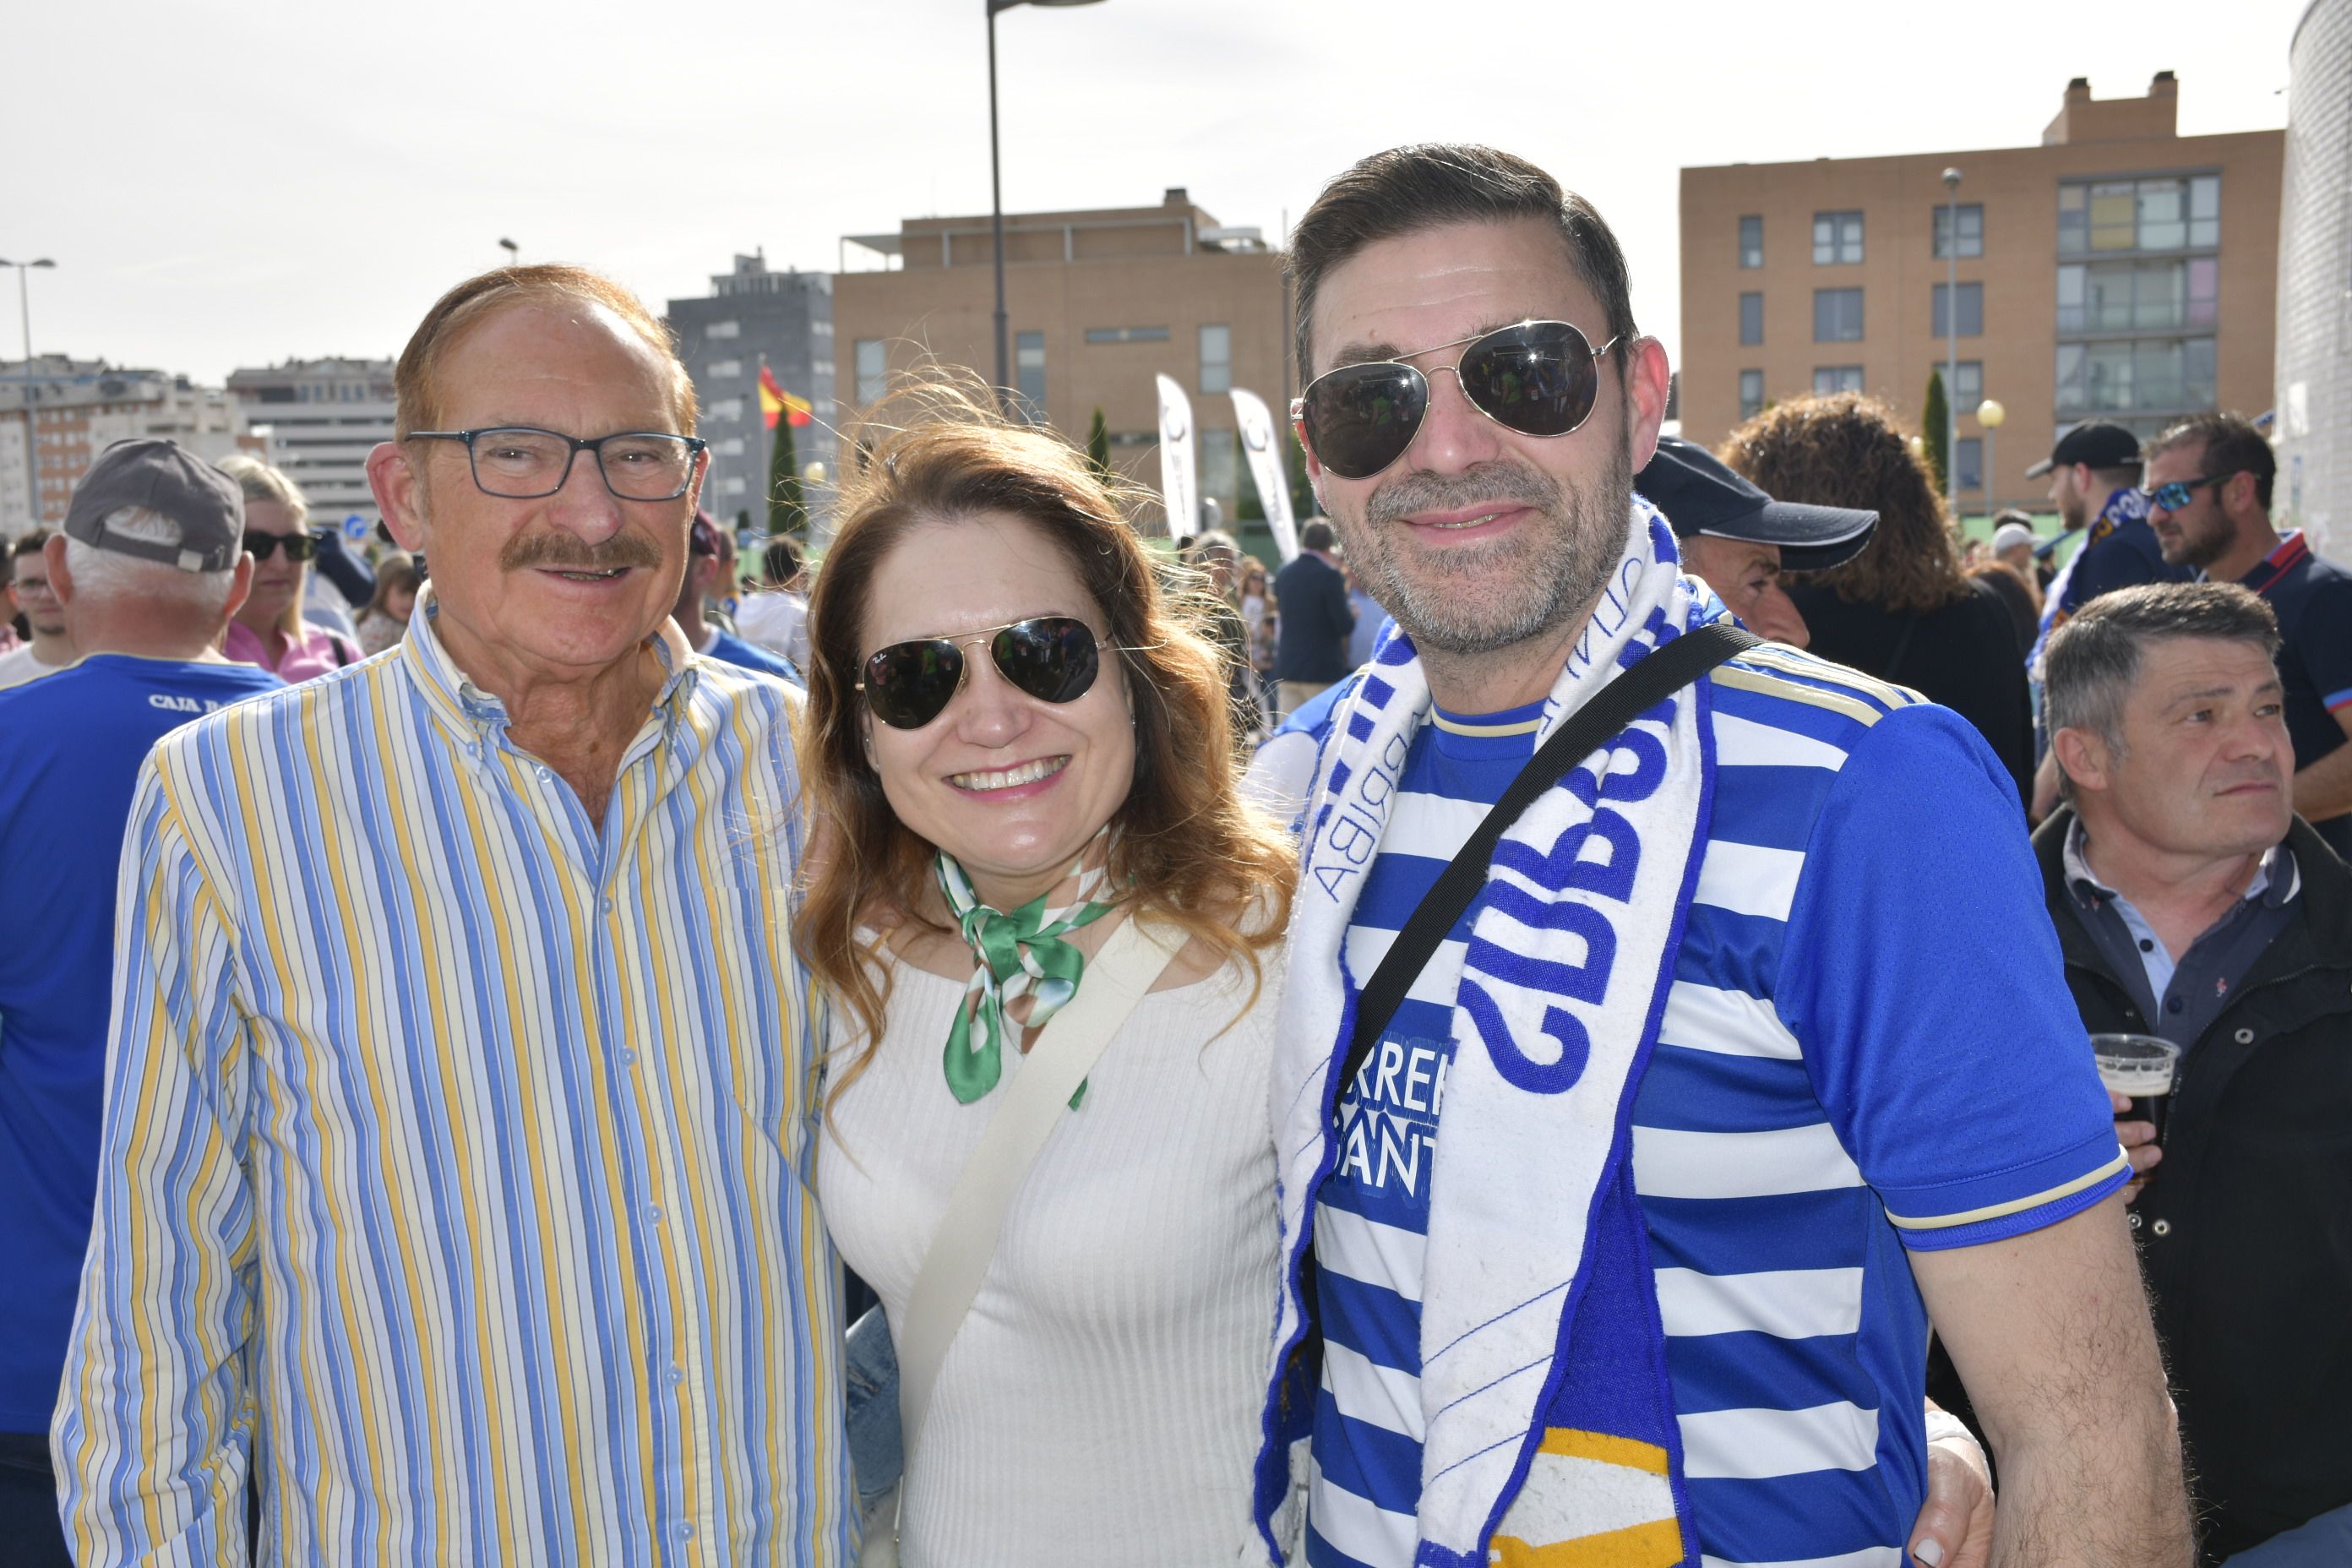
(452, 1183)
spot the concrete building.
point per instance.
(754, 314)
(320, 417)
(2116, 269)
(74, 409)
(2315, 311)
(1099, 302)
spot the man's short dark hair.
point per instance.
(2093, 659)
(1317, 535)
(2232, 446)
(1408, 189)
(780, 562)
(31, 544)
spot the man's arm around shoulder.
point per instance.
(2050, 1332)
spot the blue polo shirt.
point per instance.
(726, 645)
(70, 747)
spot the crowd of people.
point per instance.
(1556, 1026)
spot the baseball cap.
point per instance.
(1699, 495)
(2095, 443)
(2009, 534)
(166, 478)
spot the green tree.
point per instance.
(787, 509)
(1098, 445)
(1936, 433)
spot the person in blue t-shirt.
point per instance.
(709, 567)
(1627, 1234)
(149, 567)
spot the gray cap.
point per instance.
(166, 478)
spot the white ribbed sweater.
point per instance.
(1101, 1404)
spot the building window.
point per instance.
(1837, 238)
(2168, 213)
(1216, 359)
(1029, 375)
(1971, 311)
(1828, 378)
(2139, 296)
(1837, 315)
(732, 447)
(873, 368)
(733, 487)
(725, 369)
(1971, 229)
(724, 330)
(1969, 471)
(1751, 242)
(1751, 319)
(1967, 383)
(725, 410)
(1751, 394)
(1219, 469)
(2147, 375)
(1127, 334)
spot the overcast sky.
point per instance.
(235, 184)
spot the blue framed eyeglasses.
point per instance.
(2174, 496)
(519, 462)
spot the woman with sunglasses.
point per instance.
(1020, 744)
(269, 629)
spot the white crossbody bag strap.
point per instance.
(1116, 979)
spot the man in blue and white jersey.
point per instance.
(1627, 1235)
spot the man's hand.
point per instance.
(2138, 1138)
(2051, 1333)
(1955, 1528)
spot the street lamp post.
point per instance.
(514, 252)
(996, 201)
(1952, 339)
(31, 392)
(1990, 415)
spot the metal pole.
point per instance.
(32, 395)
(1952, 339)
(1991, 505)
(996, 220)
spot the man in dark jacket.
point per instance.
(1310, 650)
(2191, 903)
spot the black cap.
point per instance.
(2095, 443)
(1699, 495)
(168, 479)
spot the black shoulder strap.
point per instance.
(1656, 678)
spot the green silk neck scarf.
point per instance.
(1025, 972)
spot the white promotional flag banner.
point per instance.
(1178, 490)
(1262, 441)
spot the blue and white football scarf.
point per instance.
(1548, 1415)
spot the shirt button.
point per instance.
(653, 1212)
(604, 904)
(685, 1533)
(628, 1058)
(544, 775)
(2245, 1037)
(2145, 945)
(2134, 1217)
(2162, 1227)
(676, 1377)
(2172, 1005)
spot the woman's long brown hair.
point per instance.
(1845, 449)
(1194, 853)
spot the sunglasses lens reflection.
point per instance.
(1361, 418)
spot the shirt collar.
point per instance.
(468, 708)
(2277, 878)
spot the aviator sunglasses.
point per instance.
(1051, 657)
(1538, 378)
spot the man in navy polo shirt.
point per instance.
(710, 569)
(2209, 483)
(150, 568)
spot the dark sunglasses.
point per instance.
(2179, 493)
(1538, 378)
(298, 546)
(1051, 657)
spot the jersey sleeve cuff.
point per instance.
(2013, 1203)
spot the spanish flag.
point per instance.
(775, 400)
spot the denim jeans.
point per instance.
(872, 1381)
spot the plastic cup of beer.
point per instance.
(2140, 1067)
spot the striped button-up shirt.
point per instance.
(455, 1169)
